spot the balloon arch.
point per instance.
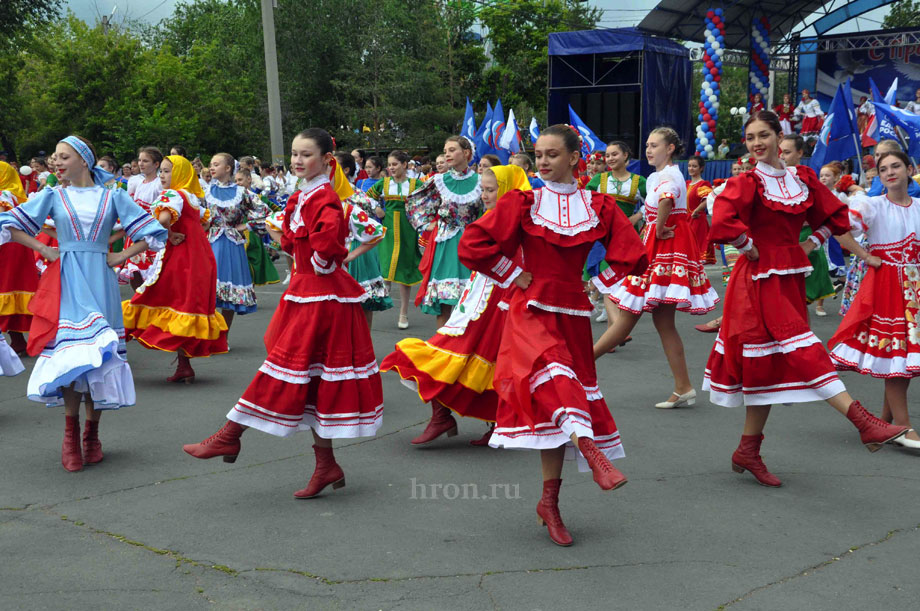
(711, 87)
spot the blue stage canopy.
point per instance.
(623, 40)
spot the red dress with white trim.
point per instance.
(879, 334)
(675, 273)
(696, 195)
(18, 278)
(174, 309)
(765, 352)
(456, 366)
(544, 373)
(320, 372)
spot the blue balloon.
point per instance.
(699, 117)
(720, 38)
(709, 77)
(718, 63)
(718, 12)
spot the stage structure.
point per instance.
(622, 83)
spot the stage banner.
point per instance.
(882, 64)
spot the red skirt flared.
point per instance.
(18, 283)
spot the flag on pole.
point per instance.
(498, 127)
(907, 121)
(482, 134)
(469, 123)
(879, 127)
(589, 140)
(534, 130)
(836, 140)
(854, 122)
(892, 96)
(511, 136)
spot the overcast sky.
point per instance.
(617, 13)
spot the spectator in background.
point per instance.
(722, 151)
(440, 164)
(125, 175)
(248, 163)
(360, 156)
(178, 150)
(488, 161)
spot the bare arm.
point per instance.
(662, 231)
(21, 237)
(847, 241)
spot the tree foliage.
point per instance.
(903, 14)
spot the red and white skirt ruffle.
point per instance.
(879, 336)
(812, 125)
(320, 374)
(772, 357)
(545, 377)
(675, 275)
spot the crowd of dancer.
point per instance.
(506, 258)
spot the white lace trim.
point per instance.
(565, 188)
(782, 272)
(229, 203)
(450, 196)
(780, 347)
(329, 297)
(314, 183)
(556, 309)
(330, 374)
(553, 370)
(461, 175)
(570, 216)
(781, 186)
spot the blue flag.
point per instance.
(589, 140)
(899, 117)
(534, 130)
(510, 142)
(884, 126)
(469, 123)
(835, 142)
(497, 128)
(481, 139)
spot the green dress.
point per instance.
(818, 283)
(629, 193)
(398, 252)
(365, 269)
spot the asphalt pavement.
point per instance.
(451, 526)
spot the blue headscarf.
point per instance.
(100, 176)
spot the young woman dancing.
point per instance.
(765, 352)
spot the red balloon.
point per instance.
(714, 71)
(712, 124)
(710, 14)
(717, 78)
(716, 20)
(710, 65)
(707, 117)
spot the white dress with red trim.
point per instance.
(812, 116)
(544, 372)
(765, 352)
(145, 195)
(320, 372)
(879, 335)
(675, 273)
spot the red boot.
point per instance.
(18, 343)
(225, 442)
(327, 472)
(747, 456)
(441, 422)
(92, 447)
(873, 432)
(484, 440)
(548, 513)
(184, 371)
(606, 475)
(71, 457)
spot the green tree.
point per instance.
(903, 14)
(518, 32)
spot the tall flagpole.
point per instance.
(271, 78)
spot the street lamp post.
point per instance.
(271, 78)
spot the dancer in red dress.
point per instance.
(784, 112)
(675, 278)
(765, 352)
(879, 334)
(174, 309)
(18, 274)
(320, 373)
(544, 373)
(697, 190)
(453, 370)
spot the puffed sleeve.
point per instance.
(363, 228)
(362, 201)
(256, 209)
(422, 205)
(168, 201)
(7, 201)
(28, 217)
(376, 190)
(595, 183)
(490, 244)
(276, 221)
(642, 188)
(137, 222)
(827, 215)
(326, 229)
(731, 212)
(862, 214)
(626, 255)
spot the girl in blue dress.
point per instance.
(77, 326)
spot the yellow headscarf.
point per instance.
(339, 182)
(510, 177)
(183, 176)
(9, 181)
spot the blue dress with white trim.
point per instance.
(89, 348)
(230, 206)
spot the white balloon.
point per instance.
(713, 98)
(715, 105)
(25, 170)
(704, 141)
(710, 39)
(708, 91)
(715, 45)
(719, 52)
(733, 110)
(708, 148)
